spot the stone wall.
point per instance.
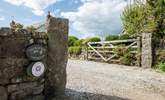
(15, 83)
(33, 65)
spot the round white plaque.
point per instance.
(38, 69)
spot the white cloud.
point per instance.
(2, 18)
(97, 17)
(37, 6)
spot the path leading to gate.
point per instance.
(89, 80)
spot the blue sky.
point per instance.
(87, 17)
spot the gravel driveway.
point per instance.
(89, 80)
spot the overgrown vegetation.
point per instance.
(76, 50)
(117, 37)
(93, 39)
(76, 45)
(111, 37)
(72, 40)
(162, 66)
(125, 36)
(127, 59)
(149, 17)
(125, 55)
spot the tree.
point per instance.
(157, 11)
(134, 19)
(148, 17)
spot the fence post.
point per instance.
(87, 53)
(139, 51)
(147, 50)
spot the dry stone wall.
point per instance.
(33, 65)
(15, 83)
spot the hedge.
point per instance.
(76, 50)
(72, 40)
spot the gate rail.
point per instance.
(104, 51)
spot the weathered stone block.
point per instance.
(11, 67)
(5, 31)
(3, 93)
(35, 97)
(57, 30)
(147, 56)
(20, 91)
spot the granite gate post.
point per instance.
(147, 55)
(57, 31)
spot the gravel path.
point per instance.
(100, 81)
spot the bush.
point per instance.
(134, 19)
(79, 43)
(72, 40)
(76, 50)
(124, 36)
(111, 37)
(127, 59)
(162, 67)
(125, 55)
(93, 39)
(148, 17)
(121, 51)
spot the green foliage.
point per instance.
(93, 39)
(120, 51)
(162, 67)
(116, 37)
(72, 40)
(76, 50)
(127, 59)
(157, 11)
(124, 36)
(111, 38)
(149, 17)
(134, 19)
(79, 42)
(125, 55)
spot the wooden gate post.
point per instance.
(139, 51)
(87, 53)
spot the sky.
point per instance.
(87, 17)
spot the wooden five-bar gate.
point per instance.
(105, 50)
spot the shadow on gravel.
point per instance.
(74, 95)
